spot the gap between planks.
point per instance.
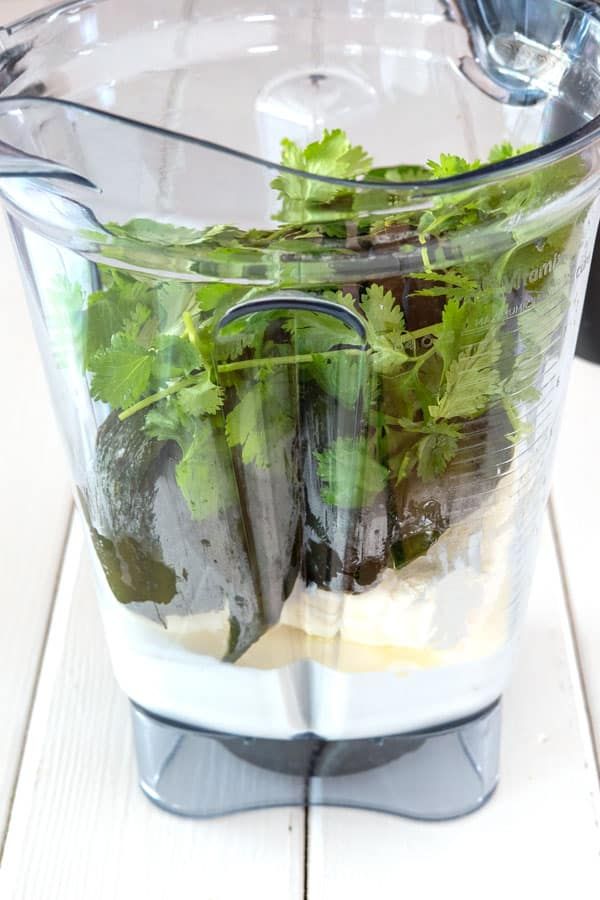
(577, 656)
(537, 836)
(82, 828)
(36, 680)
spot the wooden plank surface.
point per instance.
(80, 826)
(576, 498)
(537, 837)
(35, 503)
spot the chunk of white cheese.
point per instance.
(206, 633)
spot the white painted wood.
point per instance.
(80, 826)
(11, 10)
(538, 836)
(575, 497)
(35, 503)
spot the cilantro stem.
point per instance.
(160, 395)
(421, 332)
(224, 367)
(190, 329)
(280, 360)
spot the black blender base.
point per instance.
(439, 773)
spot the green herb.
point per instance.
(121, 373)
(263, 417)
(156, 346)
(333, 156)
(350, 475)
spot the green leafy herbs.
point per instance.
(350, 474)
(262, 419)
(472, 382)
(121, 373)
(64, 318)
(443, 347)
(333, 156)
(385, 330)
(190, 418)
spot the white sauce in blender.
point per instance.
(430, 643)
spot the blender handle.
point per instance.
(297, 300)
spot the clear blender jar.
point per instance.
(307, 281)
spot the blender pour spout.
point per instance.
(24, 106)
(17, 164)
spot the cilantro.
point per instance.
(350, 475)
(436, 449)
(121, 373)
(173, 299)
(399, 173)
(64, 320)
(152, 232)
(188, 419)
(263, 417)
(203, 475)
(472, 382)
(219, 296)
(318, 332)
(164, 422)
(340, 375)
(383, 313)
(174, 356)
(449, 165)
(332, 156)
(155, 346)
(204, 398)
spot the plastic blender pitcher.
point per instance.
(308, 381)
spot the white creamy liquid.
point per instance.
(430, 643)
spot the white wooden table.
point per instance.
(73, 824)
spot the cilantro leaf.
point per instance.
(158, 233)
(450, 165)
(436, 450)
(341, 376)
(65, 321)
(303, 199)
(121, 373)
(385, 329)
(382, 312)
(262, 418)
(319, 332)
(174, 357)
(112, 310)
(164, 422)
(332, 156)
(104, 318)
(173, 299)
(204, 398)
(399, 173)
(505, 150)
(220, 296)
(203, 473)
(239, 336)
(472, 382)
(133, 327)
(351, 477)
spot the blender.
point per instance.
(306, 279)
